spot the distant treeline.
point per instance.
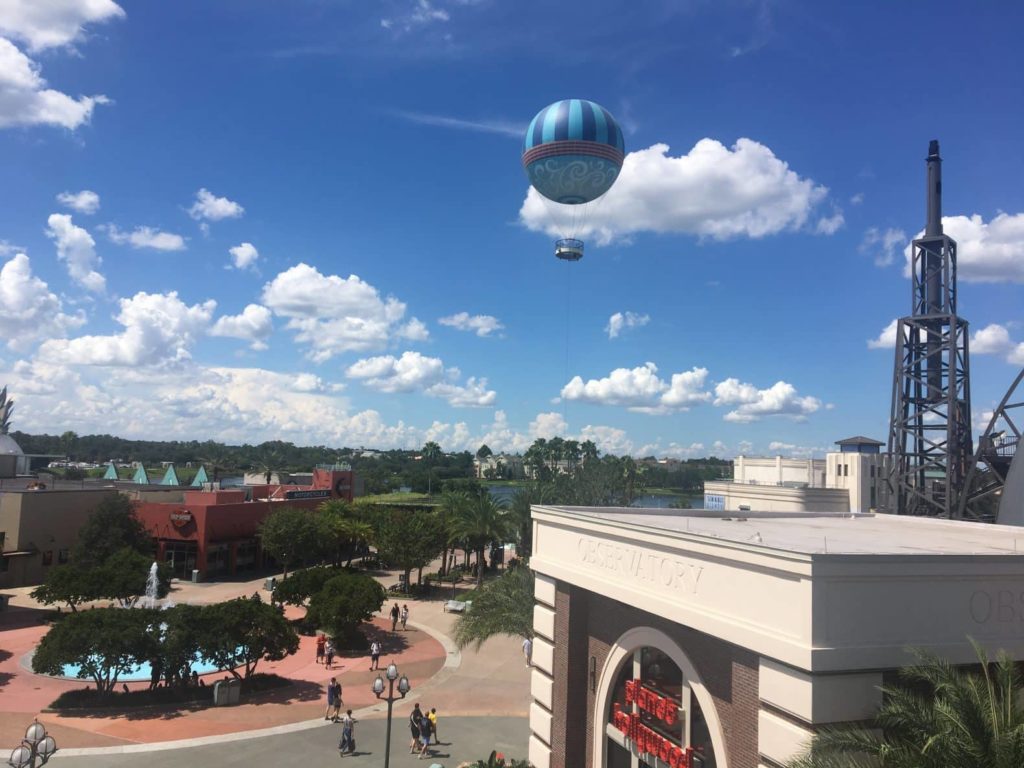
(383, 471)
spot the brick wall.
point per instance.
(587, 624)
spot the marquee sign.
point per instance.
(181, 518)
(646, 739)
(312, 494)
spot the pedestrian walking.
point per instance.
(395, 613)
(414, 728)
(347, 745)
(333, 700)
(432, 717)
(405, 616)
(321, 641)
(424, 737)
(329, 653)
(528, 650)
(374, 655)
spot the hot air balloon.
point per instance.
(572, 154)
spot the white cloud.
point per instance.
(883, 244)
(745, 447)
(887, 338)
(641, 389)
(146, 237)
(86, 201)
(29, 311)
(994, 339)
(625, 320)
(608, 439)
(548, 425)
(481, 325)
(209, 207)
(77, 249)
(781, 399)
(501, 127)
(421, 13)
(413, 372)
(253, 325)
(333, 315)
(829, 225)
(414, 330)
(159, 330)
(857, 199)
(25, 99)
(795, 451)
(308, 382)
(990, 252)
(51, 23)
(244, 256)
(713, 191)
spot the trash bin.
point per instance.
(227, 692)
(195, 576)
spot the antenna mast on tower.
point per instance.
(930, 442)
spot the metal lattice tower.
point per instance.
(930, 443)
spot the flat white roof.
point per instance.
(818, 533)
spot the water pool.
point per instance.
(143, 671)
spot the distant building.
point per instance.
(847, 480)
(211, 530)
(499, 466)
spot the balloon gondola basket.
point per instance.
(569, 249)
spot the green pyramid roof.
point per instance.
(170, 477)
(141, 477)
(200, 478)
(111, 473)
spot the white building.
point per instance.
(502, 466)
(718, 641)
(846, 480)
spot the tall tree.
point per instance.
(937, 716)
(111, 526)
(503, 607)
(292, 536)
(407, 539)
(453, 503)
(484, 452)
(343, 603)
(346, 533)
(483, 521)
(240, 633)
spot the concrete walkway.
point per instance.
(463, 739)
(493, 681)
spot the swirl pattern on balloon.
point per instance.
(572, 179)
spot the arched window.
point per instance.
(653, 718)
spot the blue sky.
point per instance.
(308, 221)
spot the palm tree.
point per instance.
(503, 607)
(453, 503)
(343, 529)
(519, 513)
(482, 521)
(937, 716)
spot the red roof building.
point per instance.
(214, 532)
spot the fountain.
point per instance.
(152, 587)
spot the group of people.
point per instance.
(347, 745)
(325, 651)
(399, 614)
(423, 727)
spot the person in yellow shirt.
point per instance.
(433, 724)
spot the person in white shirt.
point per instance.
(528, 650)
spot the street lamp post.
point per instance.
(378, 689)
(35, 744)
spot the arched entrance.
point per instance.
(652, 709)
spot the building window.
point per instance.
(657, 684)
(872, 471)
(846, 470)
(48, 557)
(62, 556)
(839, 471)
(873, 497)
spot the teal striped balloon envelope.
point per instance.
(573, 151)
